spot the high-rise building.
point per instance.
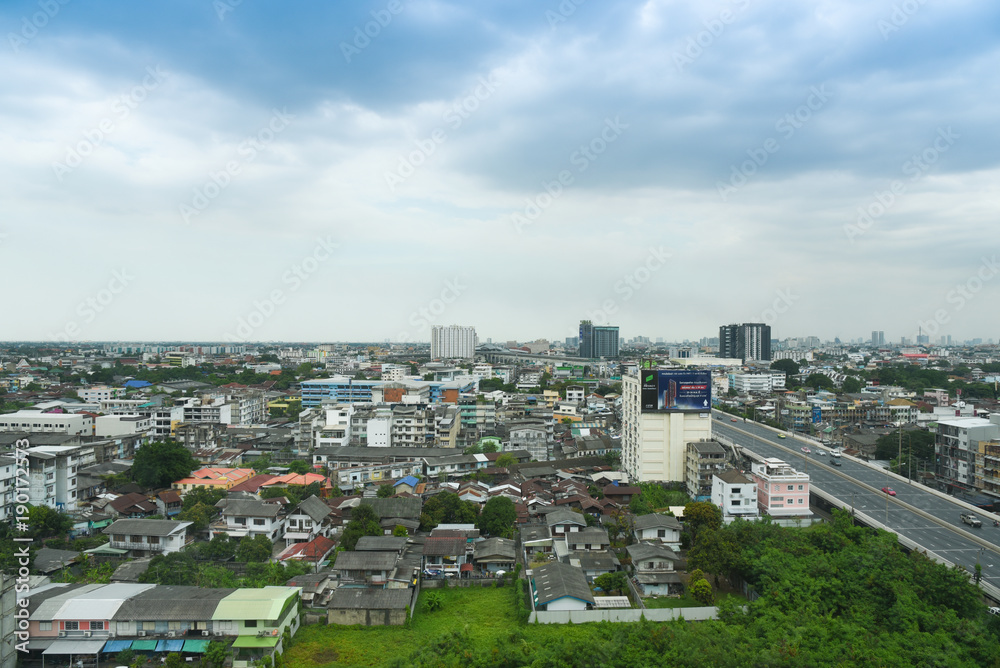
(748, 341)
(598, 341)
(878, 338)
(453, 342)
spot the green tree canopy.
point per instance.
(160, 463)
(851, 385)
(506, 460)
(498, 517)
(788, 366)
(202, 495)
(364, 522)
(44, 521)
(819, 381)
(257, 549)
(700, 515)
(385, 491)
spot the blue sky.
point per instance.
(236, 170)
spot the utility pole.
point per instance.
(899, 460)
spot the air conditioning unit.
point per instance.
(204, 633)
(141, 634)
(218, 633)
(62, 634)
(86, 634)
(171, 634)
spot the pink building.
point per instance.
(781, 490)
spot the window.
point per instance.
(801, 487)
(258, 522)
(44, 626)
(119, 538)
(800, 500)
(734, 502)
(154, 540)
(242, 521)
(661, 533)
(791, 487)
(71, 626)
(138, 539)
(250, 623)
(777, 499)
(97, 626)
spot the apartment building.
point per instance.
(704, 460)
(98, 393)
(735, 494)
(148, 538)
(35, 421)
(957, 447)
(52, 474)
(782, 492)
(757, 383)
(7, 485)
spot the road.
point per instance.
(856, 483)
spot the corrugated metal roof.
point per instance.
(101, 603)
(263, 603)
(53, 601)
(75, 647)
(172, 603)
(253, 641)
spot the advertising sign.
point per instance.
(675, 391)
(817, 415)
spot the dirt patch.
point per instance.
(328, 655)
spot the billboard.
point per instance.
(817, 414)
(676, 391)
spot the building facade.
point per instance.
(748, 341)
(453, 342)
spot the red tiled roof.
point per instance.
(253, 484)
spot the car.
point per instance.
(971, 520)
(782, 436)
(994, 611)
(733, 420)
(889, 490)
(806, 450)
(835, 453)
(431, 573)
(835, 462)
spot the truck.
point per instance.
(971, 520)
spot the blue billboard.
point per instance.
(676, 391)
(817, 414)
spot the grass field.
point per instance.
(489, 614)
(686, 601)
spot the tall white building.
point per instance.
(453, 342)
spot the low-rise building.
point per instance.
(735, 494)
(782, 492)
(147, 538)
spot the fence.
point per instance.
(656, 615)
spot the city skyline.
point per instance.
(234, 172)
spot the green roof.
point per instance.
(144, 645)
(105, 549)
(254, 641)
(195, 646)
(263, 603)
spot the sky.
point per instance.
(332, 171)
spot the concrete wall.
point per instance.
(367, 617)
(657, 615)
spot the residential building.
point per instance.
(213, 478)
(249, 517)
(369, 607)
(34, 421)
(653, 569)
(735, 495)
(97, 393)
(7, 487)
(559, 586)
(148, 538)
(309, 519)
(658, 528)
(750, 341)
(598, 341)
(52, 474)
(106, 426)
(782, 492)
(757, 383)
(531, 435)
(957, 446)
(453, 342)
(704, 460)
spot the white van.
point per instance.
(835, 453)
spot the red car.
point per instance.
(733, 420)
(806, 450)
(889, 490)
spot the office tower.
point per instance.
(878, 338)
(748, 341)
(453, 342)
(598, 341)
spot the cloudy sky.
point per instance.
(317, 171)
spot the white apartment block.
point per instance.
(52, 475)
(394, 372)
(736, 495)
(110, 406)
(109, 426)
(7, 484)
(654, 445)
(100, 393)
(51, 423)
(757, 383)
(453, 342)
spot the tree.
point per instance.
(701, 591)
(200, 515)
(788, 366)
(160, 463)
(490, 446)
(700, 515)
(616, 581)
(506, 460)
(44, 521)
(385, 491)
(364, 522)
(262, 463)
(851, 385)
(208, 497)
(818, 381)
(254, 550)
(498, 517)
(400, 531)
(174, 660)
(216, 653)
(299, 466)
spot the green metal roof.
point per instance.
(195, 646)
(263, 603)
(144, 645)
(254, 641)
(105, 549)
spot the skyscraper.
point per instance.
(598, 341)
(453, 342)
(748, 341)
(878, 338)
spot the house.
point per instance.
(133, 504)
(48, 560)
(249, 517)
(261, 617)
(494, 554)
(593, 563)
(658, 528)
(735, 494)
(588, 539)
(559, 586)
(316, 588)
(369, 607)
(381, 544)
(213, 478)
(653, 569)
(368, 567)
(168, 503)
(148, 538)
(621, 494)
(313, 551)
(445, 554)
(562, 522)
(407, 484)
(311, 518)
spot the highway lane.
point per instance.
(942, 540)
